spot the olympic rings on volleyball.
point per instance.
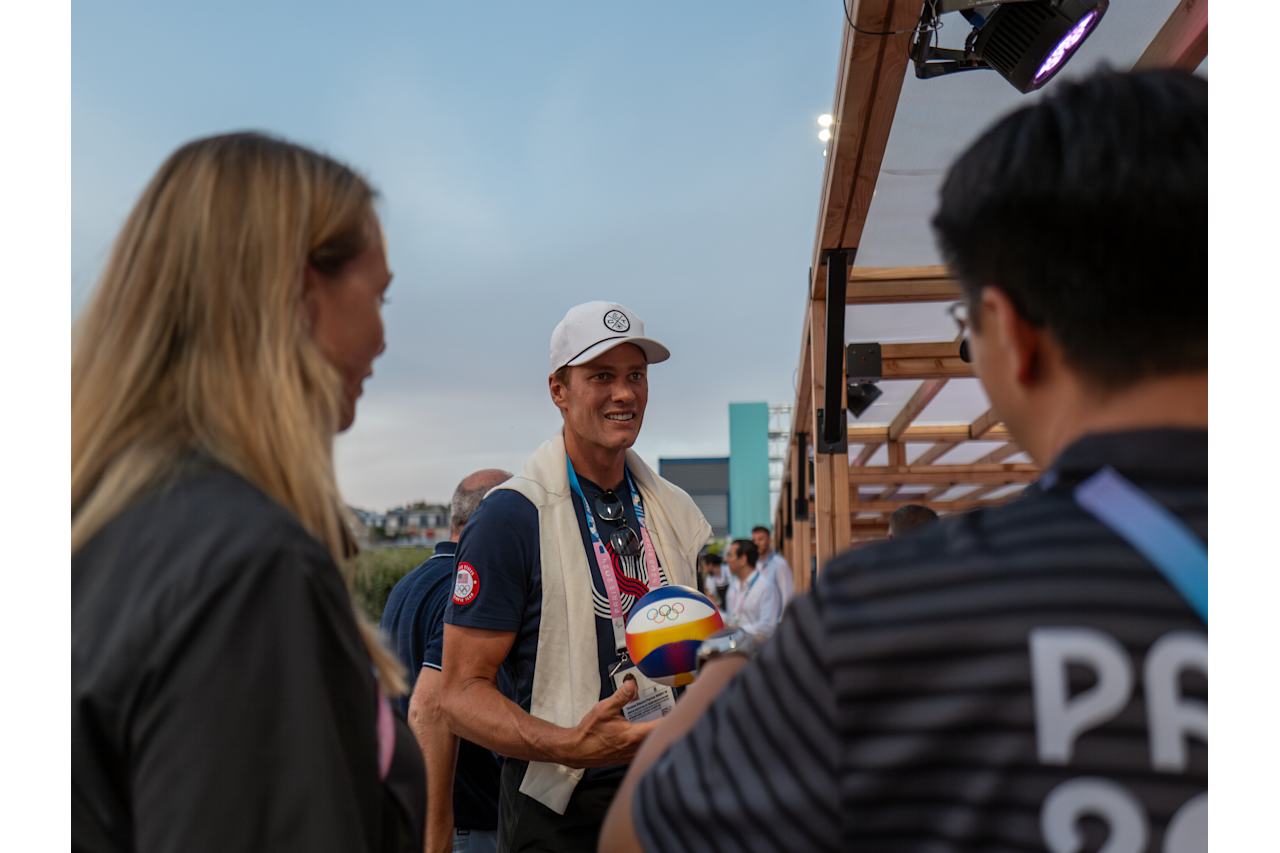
(664, 612)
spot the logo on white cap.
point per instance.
(616, 321)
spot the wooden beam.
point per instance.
(998, 455)
(933, 453)
(867, 452)
(830, 470)
(897, 454)
(933, 493)
(897, 459)
(1183, 41)
(979, 494)
(960, 505)
(937, 475)
(892, 285)
(984, 425)
(926, 434)
(923, 361)
(923, 397)
(868, 84)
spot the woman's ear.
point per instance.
(311, 282)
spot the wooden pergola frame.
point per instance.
(830, 501)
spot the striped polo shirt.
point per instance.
(1017, 678)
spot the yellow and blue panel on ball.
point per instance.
(664, 631)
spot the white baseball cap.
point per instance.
(591, 329)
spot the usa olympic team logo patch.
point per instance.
(616, 321)
(466, 585)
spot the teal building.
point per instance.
(748, 468)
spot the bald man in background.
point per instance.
(462, 807)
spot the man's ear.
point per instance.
(1022, 341)
(557, 389)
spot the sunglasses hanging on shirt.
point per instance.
(609, 506)
(625, 542)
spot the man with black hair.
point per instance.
(1032, 676)
(908, 517)
(753, 603)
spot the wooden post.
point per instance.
(831, 471)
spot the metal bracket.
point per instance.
(802, 481)
(840, 445)
(833, 422)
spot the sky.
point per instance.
(532, 156)
(529, 156)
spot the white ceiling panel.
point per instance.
(971, 451)
(898, 323)
(960, 400)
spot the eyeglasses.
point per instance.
(959, 311)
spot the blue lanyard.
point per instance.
(1153, 531)
(616, 614)
(636, 503)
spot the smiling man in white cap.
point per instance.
(548, 570)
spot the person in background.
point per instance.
(715, 579)
(775, 566)
(225, 695)
(462, 803)
(548, 571)
(1033, 675)
(908, 517)
(754, 604)
(407, 617)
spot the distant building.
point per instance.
(707, 482)
(732, 491)
(419, 523)
(371, 520)
(749, 467)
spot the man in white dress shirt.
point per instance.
(773, 564)
(755, 604)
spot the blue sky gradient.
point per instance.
(530, 156)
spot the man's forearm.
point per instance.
(477, 711)
(440, 753)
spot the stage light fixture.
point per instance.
(1026, 42)
(861, 396)
(864, 367)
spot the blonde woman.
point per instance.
(225, 695)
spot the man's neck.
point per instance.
(601, 465)
(744, 573)
(1173, 402)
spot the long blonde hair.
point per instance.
(196, 338)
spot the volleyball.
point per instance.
(665, 629)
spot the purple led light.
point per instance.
(1066, 47)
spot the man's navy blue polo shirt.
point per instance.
(414, 620)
